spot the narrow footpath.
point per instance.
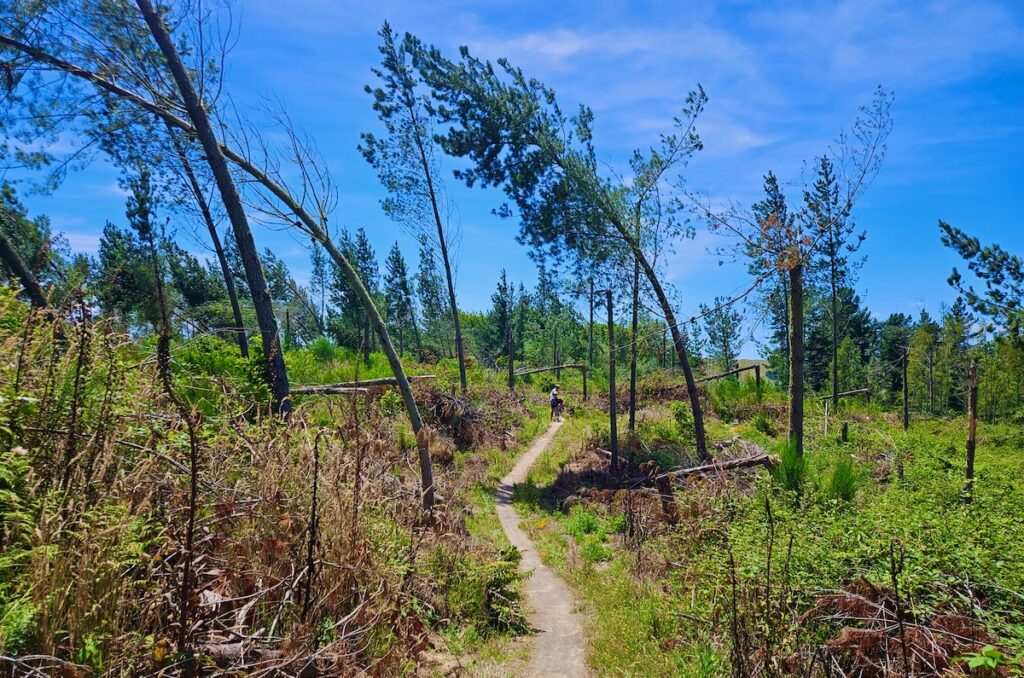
(558, 643)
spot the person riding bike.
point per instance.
(556, 403)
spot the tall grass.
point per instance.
(791, 472)
(842, 484)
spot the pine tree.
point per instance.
(319, 281)
(398, 297)
(500, 320)
(723, 325)
(428, 289)
(834, 228)
(894, 335)
(954, 344)
(921, 370)
(406, 159)
(772, 214)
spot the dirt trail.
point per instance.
(558, 643)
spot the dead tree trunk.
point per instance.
(412, 321)
(796, 358)
(277, 374)
(222, 261)
(19, 268)
(972, 428)
(931, 381)
(787, 310)
(731, 372)
(554, 354)
(612, 411)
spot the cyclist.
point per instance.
(556, 403)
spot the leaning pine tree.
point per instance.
(516, 136)
(406, 161)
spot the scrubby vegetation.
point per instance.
(836, 561)
(308, 545)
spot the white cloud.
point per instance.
(87, 243)
(901, 44)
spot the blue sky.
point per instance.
(782, 82)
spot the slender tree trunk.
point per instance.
(365, 330)
(835, 339)
(225, 270)
(664, 347)
(511, 348)
(931, 382)
(906, 391)
(590, 329)
(679, 344)
(443, 244)
(785, 310)
(612, 409)
(796, 358)
(972, 428)
(17, 265)
(555, 356)
(633, 346)
(277, 374)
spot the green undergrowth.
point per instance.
(831, 518)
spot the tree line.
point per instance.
(137, 83)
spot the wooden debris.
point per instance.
(764, 459)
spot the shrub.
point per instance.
(593, 549)
(323, 349)
(733, 398)
(684, 419)
(842, 484)
(791, 471)
(762, 423)
(390, 404)
(484, 594)
(581, 522)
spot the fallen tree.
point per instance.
(756, 368)
(763, 459)
(535, 370)
(351, 386)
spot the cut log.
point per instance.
(347, 386)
